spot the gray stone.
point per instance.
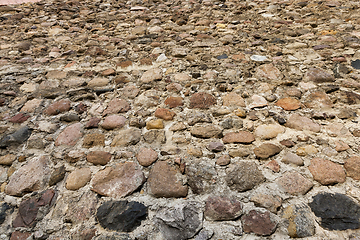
(16, 138)
(180, 222)
(300, 221)
(243, 176)
(201, 177)
(291, 158)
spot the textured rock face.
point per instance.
(202, 100)
(244, 176)
(33, 176)
(302, 123)
(118, 181)
(352, 166)
(58, 107)
(294, 183)
(258, 222)
(187, 217)
(222, 208)
(327, 172)
(16, 138)
(164, 181)
(201, 177)
(268, 131)
(266, 150)
(70, 135)
(121, 216)
(337, 211)
(78, 178)
(301, 223)
(239, 137)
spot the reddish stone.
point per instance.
(81, 108)
(258, 222)
(99, 157)
(352, 166)
(318, 76)
(69, 136)
(146, 156)
(288, 104)
(95, 51)
(294, 183)
(318, 100)
(239, 137)
(93, 123)
(327, 172)
(174, 102)
(113, 121)
(273, 165)
(124, 64)
(202, 100)
(19, 235)
(19, 118)
(117, 106)
(2, 102)
(58, 107)
(165, 114)
(222, 208)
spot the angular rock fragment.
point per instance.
(126, 137)
(16, 138)
(122, 216)
(294, 183)
(164, 181)
(222, 208)
(180, 222)
(239, 137)
(327, 172)
(70, 135)
(352, 166)
(337, 211)
(201, 177)
(301, 223)
(258, 222)
(118, 181)
(266, 150)
(302, 123)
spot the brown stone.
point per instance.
(78, 178)
(155, 124)
(127, 137)
(239, 137)
(7, 159)
(327, 172)
(294, 183)
(17, 235)
(99, 157)
(341, 146)
(33, 176)
(94, 139)
(206, 131)
(233, 100)
(268, 72)
(202, 100)
(270, 202)
(58, 107)
(173, 102)
(118, 181)
(318, 76)
(163, 181)
(125, 64)
(222, 208)
(116, 106)
(151, 75)
(223, 160)
(287, 143)
(302, 123)
(352, 166)
(165, 114)
(93, 122)
(258, 222)
(108, 72)
(266, 150)
(288, 104)
(146, 156)
(318, 100)
(69, 136)
(19, 118)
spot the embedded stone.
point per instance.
(243, 176)
(113, 121)
(268, 131)
(219, 208)
(155, 124)
(173, 102)
(206, 131)
(94, 139)
(33, 176)
(201, 177)
(239, 137)
(233, 100)
(127, 137)
(151, 75)
(266, 150)
(268, 201)
(7, 159)
(70, 135)
(116, 106)
(327, 172)
(302, 123)
(352, 166)
(165, 114)
(78, 178)
(58, 107)
(164, 181)
(202, 100)
(300, 221)
(98, 157)
(294, 183)
(288, 104)
(118, 181)
(146, 156)
(318, 76)
(291, 158)
(268, 72)
(258, 222)
(122, 216)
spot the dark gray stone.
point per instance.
(204, 234)
(180, 222)
(71, 117)
(5, 209)
(337, 211)
(18, 137)
(114, 236)
(121, 216)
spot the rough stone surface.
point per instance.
(206, 131)
(58, 107)
(222, 208)
(201, 177)
(98, 157)
(70, 135)
(126, 137)
(118, 181)
(187, 217)
(33, 176)
(302, 123)
(327, 172)
(291, 158)
(294, 183)
(268, 131)
(78, 178)
(238, 137)
(288, 104)
(268, 201)
(202, 100)
(164, 181)
(121, 216)
(266, 150)
(113, 121)
(352, 167)
(244, 176)
(258, 222)
(301, 224)
(337, 211)
(146, 156)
